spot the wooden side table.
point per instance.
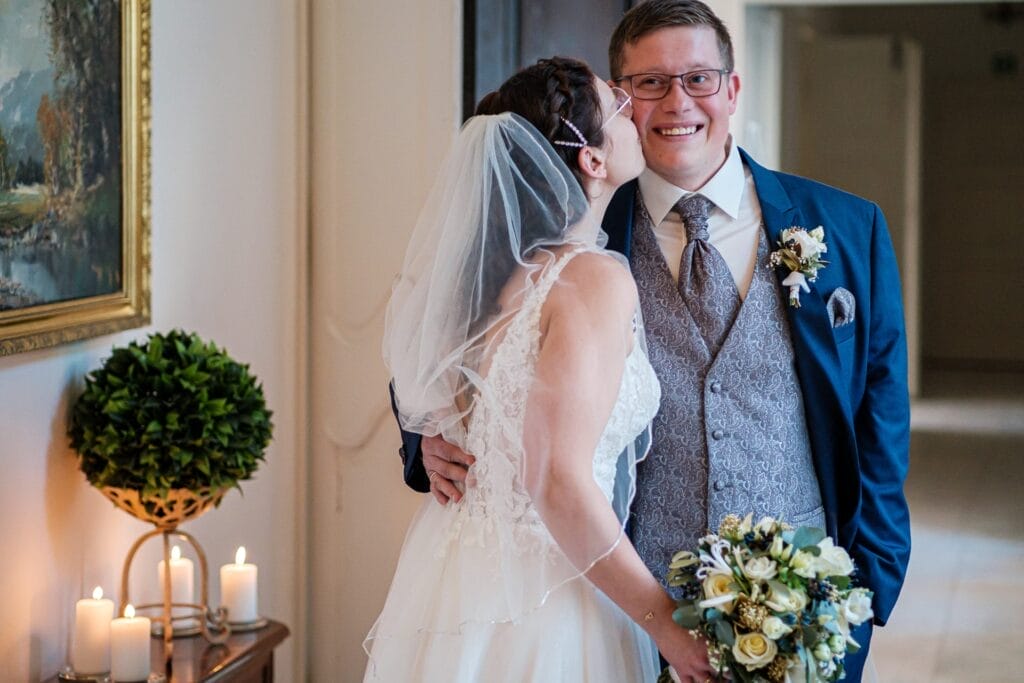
(244, 658)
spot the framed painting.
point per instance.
(74, 170)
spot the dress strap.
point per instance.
(547, 278)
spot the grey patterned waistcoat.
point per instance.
(730, 435)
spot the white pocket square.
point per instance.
(842, 307)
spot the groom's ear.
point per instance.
(591, 161)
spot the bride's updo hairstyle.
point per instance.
(543, 94)
(547, 92)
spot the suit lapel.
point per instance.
(829, 420)
(618, 219)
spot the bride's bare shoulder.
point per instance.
(596, 280)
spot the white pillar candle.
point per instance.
(129, 647)
(238, 589)
(90, 647)
(182, 580)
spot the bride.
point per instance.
(514, 335)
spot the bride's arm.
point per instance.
(586, 324)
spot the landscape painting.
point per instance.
(73, 169)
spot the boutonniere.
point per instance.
(800, 251)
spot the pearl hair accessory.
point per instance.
(565, 143)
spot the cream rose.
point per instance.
(760, 569)
(833, 560)
(754, 650)
(857, 607)
(719, 592)
(775, 628)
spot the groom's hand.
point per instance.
(445, 465)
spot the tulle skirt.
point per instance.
(478, 600)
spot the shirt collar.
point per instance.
(725, 188)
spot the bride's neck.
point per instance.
(598, 196)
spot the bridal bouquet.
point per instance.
(775, 603)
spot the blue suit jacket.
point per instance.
(853, 377)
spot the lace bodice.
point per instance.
(496, 426)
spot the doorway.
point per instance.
(954, 193)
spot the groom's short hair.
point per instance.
(656, 14)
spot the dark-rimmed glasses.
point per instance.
(654, 86)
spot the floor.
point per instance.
(961, 613)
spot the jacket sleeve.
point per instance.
(881, 546)
(410, 453)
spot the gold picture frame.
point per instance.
(38, 323)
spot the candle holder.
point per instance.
(212, 623)
(166, 513)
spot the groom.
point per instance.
(799, 412)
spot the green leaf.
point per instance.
(724, 633)
(687, 615)
(807, 536)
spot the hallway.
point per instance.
(961, 614)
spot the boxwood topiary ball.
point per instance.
(174, 412)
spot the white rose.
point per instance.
(782, 599)
(760, 569)
(837, 643)
(754, 650)
(808, 247)
(719, 591)
(822, 651)
(833, 560)
(857, 607)
(775, 628)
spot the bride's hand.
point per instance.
(686, 654)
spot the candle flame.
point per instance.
(240, 555)
(175, 553)
(129, 611)
(97, 593)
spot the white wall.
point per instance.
(227, 263)
(386, 89)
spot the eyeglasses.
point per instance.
(624, 105)
(700, 83)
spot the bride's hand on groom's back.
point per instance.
(446, 465)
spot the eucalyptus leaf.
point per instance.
(807, 536)
(724, 632)
(687, 615)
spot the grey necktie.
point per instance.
(705, 282)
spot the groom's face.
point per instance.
(684, 138)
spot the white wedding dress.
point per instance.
(482, 593)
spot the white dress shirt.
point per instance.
(734, 221)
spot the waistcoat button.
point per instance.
(717, 434)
